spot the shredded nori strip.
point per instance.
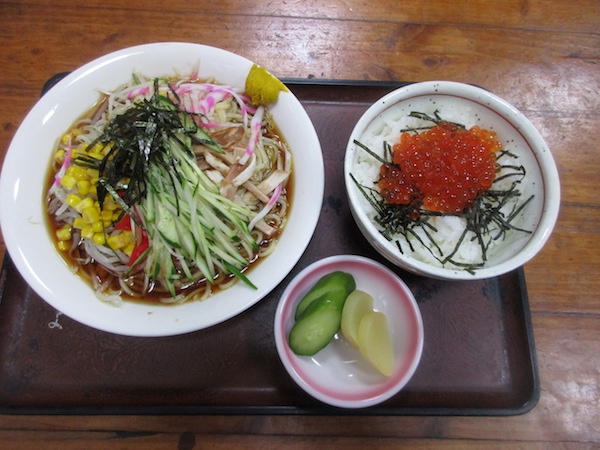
(142, 134)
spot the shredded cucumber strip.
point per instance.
(188, 220)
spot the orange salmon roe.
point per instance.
(445, 167)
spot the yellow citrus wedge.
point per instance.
(375, 342)
(357, 305)
(262, 87)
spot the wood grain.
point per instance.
(542, 56)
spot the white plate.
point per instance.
(23, 179)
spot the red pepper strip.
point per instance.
(140, 248)
(124, 223)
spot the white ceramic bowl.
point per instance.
(470, 106)
(338, 375)
(25, 170)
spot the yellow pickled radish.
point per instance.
(375, 342)
(357, 305)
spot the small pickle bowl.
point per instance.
(339, 375)
(501, 233)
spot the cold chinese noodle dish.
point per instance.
(169, 189)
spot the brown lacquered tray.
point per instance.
(478, 358)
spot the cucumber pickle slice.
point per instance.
(328, 283)
(319, 313)
(312, 333)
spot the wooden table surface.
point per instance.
(543, 56)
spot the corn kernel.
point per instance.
(66, 138)
(106, 215)
(98, 148)
(63, 246)
(78, 172)
(120, 240)
(87, 232)
(72, 170)
(59, 156)
(83, 187)
(98, 227)
(64, 233)
(99, 238)
(96, 155)
(93, 174)
(78, 223)
(68, 181)
(129, 248)
(73, 200)
(84, 204)
(107, 148)
(90, 215)
(110, 204)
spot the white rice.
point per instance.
(387, 128)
